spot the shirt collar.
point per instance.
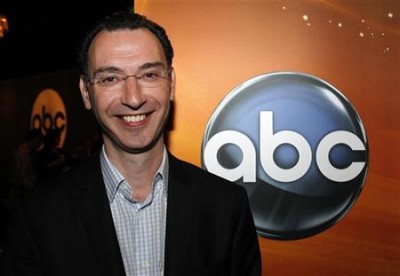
(113, 178)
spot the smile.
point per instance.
(134, 118)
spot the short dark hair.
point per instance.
(122, 20)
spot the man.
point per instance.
(133, 209)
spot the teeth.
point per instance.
(133, 119)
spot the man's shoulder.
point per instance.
(191, 169)
(200, 177)
(65, 183)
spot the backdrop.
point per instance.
(353, 45)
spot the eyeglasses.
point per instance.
(148, 78)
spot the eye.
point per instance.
(108, 80)
(150, 76)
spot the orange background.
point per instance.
(353, 45)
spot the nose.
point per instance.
(131, 94)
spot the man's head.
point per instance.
(128, 82)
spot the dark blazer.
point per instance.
(66, 227)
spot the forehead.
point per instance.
(125, 48)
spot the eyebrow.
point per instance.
(112, 69)
(150, 65)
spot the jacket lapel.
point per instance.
(97, 219)
(179, 218)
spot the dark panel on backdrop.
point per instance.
(43, 36)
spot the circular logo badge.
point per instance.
(49, 114)
(296, 144)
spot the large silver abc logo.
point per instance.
(296, 144)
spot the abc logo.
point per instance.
(298, 147)
(48, 113)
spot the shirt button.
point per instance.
(145, 264)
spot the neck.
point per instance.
(138, 169)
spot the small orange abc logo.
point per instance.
(49, 114)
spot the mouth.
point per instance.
(134, 118)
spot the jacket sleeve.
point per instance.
(246, 255)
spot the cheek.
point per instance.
(100, 106)
(158, 99)
(166, 97)
(102, 101)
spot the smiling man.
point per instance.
(134, 208)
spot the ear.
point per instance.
(173, 84)
(85, 93)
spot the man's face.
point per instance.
(132, 114)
